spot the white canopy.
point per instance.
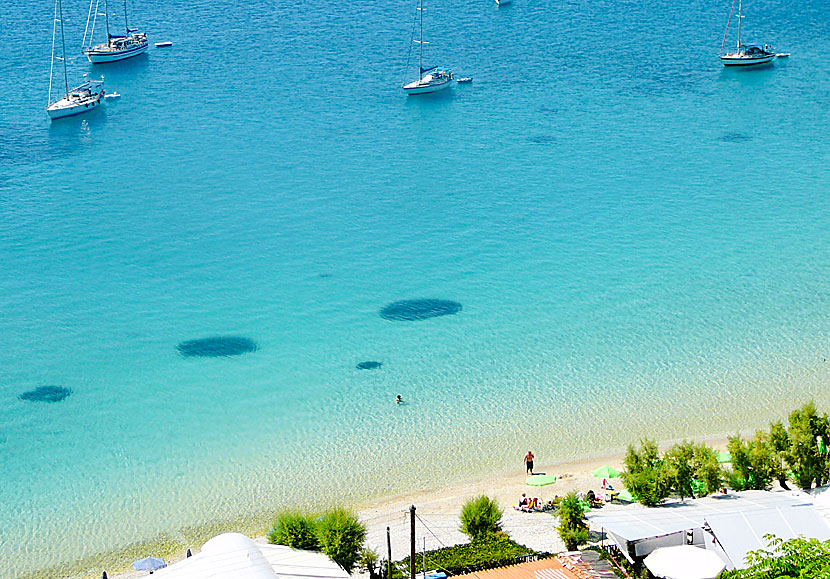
(684, 562)
(235, 556)
(740, 533)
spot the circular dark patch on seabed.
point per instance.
(46, 394)
(369, 365)
(414, 310)
(217, 347)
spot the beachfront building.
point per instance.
(235, 556)
(731, 525)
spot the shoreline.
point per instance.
(436, 507)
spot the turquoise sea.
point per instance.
(638, 239)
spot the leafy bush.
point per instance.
(803, 558)
(753, 463)
(491, 551)
(295, 529)
(573, 529)
(645, 474)
(340, 535)
(370, 562)
(480, 517)
(806, 457)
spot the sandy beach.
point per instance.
(438, 509)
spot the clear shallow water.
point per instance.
(638, 238)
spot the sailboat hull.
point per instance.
(99, 56)
(418, 87)
(741, 60)
(66, 108)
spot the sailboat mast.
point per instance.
(740, 21)
(421, 44)
(126, 26)
(52, 63)
(107, 16)
(63, 46)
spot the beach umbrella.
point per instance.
(541, 480)
(626, 496)
(605, 471)
(149, 564)
(724, 457)
(684, 562)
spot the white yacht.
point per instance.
(82, 98)
(745, 54)
(431, 78)
(117, 47)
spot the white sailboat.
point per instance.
(116, 47)
(430, 79)
(745, 54)
(80, 99)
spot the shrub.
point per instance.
(573, 529)
(793, 558)
(805, 457)
(369, 561)
(645, 475)
(480, 518)
(491, 551)
(753, 462)
(295, 529)
(340, 535)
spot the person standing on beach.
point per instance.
(529, 462)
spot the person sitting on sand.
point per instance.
(523, 500)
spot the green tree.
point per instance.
(480, 517)
(340, 535)
(295, 529)
(645, 475)
(680, 468)
(807, 434)
(802, 558)
(753, 462)
(707, 469)
(370, 561)
(573, 529)
(780, 444)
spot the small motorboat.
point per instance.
(465, 79)
(783, 55)
(112, 95)
(164, 44)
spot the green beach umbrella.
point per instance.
(541, 480)
(605, 472)
(724, 457)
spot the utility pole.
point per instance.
(412, 542)
(389, 552)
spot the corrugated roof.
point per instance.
(638, 524)
(541, 569)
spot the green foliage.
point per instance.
(489, 552)
(754, 465)
(370, 562)
(480, 517)
(573, 529)
(295, 529)
(707, 469)
(804, 456)
(680, 468)
(796, 558)
(341, 535)
(645, 475)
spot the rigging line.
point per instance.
(731, 10)
(411, 42)
(52, 63)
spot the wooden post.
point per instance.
(412, 542)
(389, 552)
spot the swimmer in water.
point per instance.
(398, 399)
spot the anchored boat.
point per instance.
(745, 54)
(132, 43)
(432, 78)
(82, 98)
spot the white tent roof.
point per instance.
(638, 524)
(739, 533)
(235, 556)
(684, 562)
